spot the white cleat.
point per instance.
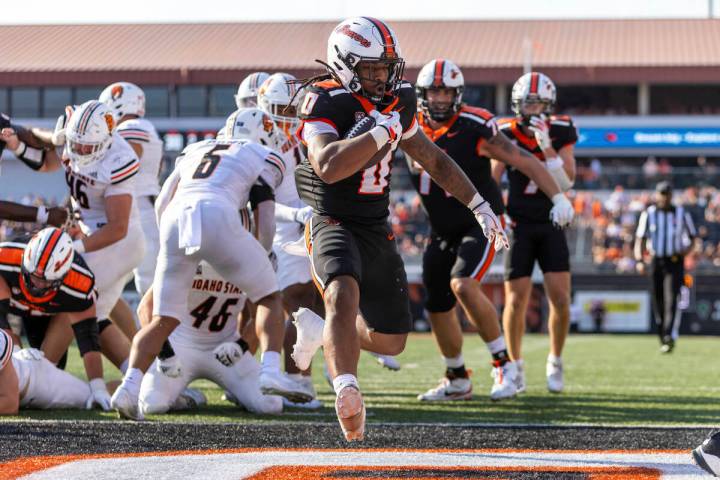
(306, 381)
(387, 361)
(277, 383)
(248, 394)
(520, 384)
(126, 404)
(503, 381)
(554, 373)
(448, 390)
(309, 336)
(189, 399)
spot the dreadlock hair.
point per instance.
(306, 82)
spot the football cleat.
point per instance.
(503, 381)
(554, 373)
(707, 455)
(309, 337)
(350, 410)
(520, 384)
(448, 390)
(306, 381)
(126, 404)
(189, 399)
(277, 383)
(387, 361)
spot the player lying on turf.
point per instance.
(29, 380)
(206, 345)
(48, 277)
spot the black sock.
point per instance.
(501, 357)
(457, 372)
(166, 351)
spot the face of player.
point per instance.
(373, 77)
(531, 108)
(440, 100)
(663, 199)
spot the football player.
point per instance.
(458, 255)
(29, 380)
(207, 346)
(127, 104)
(277, 97)
(346, 182)
(47, 277)
(535, 236)
(246, 95)
(100, 169)
(212, 181)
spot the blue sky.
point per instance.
(161, 11)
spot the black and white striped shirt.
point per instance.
(669, 232)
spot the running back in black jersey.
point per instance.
(461, 138)
(364, 196)
(76, 294)
(526, 202)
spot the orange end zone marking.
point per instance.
(26, 465)
(423, 473)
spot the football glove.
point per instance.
(228, 353)
(541, 129)
(491, 226)
(98, 395)
(562, 212)
(391, 123)
(302, 215)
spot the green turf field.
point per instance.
(610, 379)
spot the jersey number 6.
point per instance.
(209, 162)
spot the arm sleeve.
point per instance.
(641, 231)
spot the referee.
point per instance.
(666, 232)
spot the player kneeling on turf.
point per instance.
(206, 345)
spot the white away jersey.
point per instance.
(226, 170)
(213, 309)
(89, 185)
(141, 131)
(292, 155)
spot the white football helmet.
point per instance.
(440, 73)
(533, 87)
(364, 39)
(252, 124)
(46, 260)
(124, 98)
(247, 91)
(88, 134)
(277, 97)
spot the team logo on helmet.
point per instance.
(110, 120)
(346, 30)
(454, 73)
(116, 91)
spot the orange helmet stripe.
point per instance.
(47, 251)
(534, 80)
(439, 67)
(387, 36)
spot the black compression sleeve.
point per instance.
(87, 336)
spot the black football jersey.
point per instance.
(76, 294)
(364, 196)
(461, 138)
(526, 202)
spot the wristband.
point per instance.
(30, 156)
(380, 135)
(79, 246)
(42, 214)
(20, 149)
(553, 163)
(476, 201)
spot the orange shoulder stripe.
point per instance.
(78, 281)
(11, 256)
(480, 112)
(327, 84)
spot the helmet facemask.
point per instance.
(520, 107)
(38, 286)
(439, 111)
(395, 67)
(83, 152)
